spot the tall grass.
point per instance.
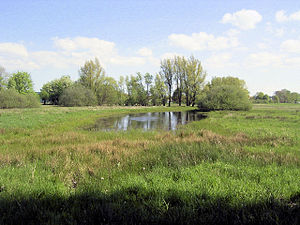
(231, 168)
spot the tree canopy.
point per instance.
(21, 82)
(225, 93)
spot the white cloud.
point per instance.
(292, 46)
(13, 49)
(202, 41)
(84, 43)
(69, 52)
(243, 19)
(145, 52)
(282, 17)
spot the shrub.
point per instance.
(10, 98)
(77, 95)
(226, 93)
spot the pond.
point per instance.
(147, 121)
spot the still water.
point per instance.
(147, 121)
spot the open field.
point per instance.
(231, 168)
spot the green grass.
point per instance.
(231, 168)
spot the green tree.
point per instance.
(122, 96)
(135, 90)
(159, 91)
(107, 93)
(21, 82)
(194, 79)
(91, 75)
(3, 77)
(295, 97)
(52, 90)
(148, 81)
(179, 65)
(260, 97)
(226, 93)
(44, 95)
(167, 72)
(284, 96)
(275, 99)
(77, 95)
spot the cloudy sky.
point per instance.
(258, 41)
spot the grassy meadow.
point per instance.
(230, 168)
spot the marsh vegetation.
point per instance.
(232, 167)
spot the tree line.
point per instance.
(282, 96)
(16, 90)
(180, 80)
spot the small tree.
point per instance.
(52, 90)
(77, 95)
(21, 82)
(227, 93)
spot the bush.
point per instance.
(77, 95)
(10, 98)
(226, 93)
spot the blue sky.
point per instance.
(258, 41)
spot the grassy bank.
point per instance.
(231, 168)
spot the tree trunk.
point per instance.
(187, 99)
(179, 97)
(170, 96)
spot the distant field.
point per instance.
(231, 168)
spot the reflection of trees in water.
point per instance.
(147, 121)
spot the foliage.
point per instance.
(52, 90)
(148, 81)
(159, 91)
(188, 75)
(275, 99)
(107, 93)
(77, 95)
(3, 78)
(137, 95)
(226, 93)
(92, 75)
(10, 98)
(167, 72)
(286, 96)
(21, 82)
(122, 96)
(194, 79)
(260, 97)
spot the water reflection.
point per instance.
(147, 121)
